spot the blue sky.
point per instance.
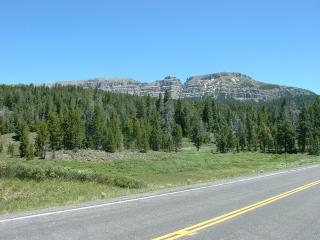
(272, 41)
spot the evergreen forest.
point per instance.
(72, 118)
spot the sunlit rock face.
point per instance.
(224, 85)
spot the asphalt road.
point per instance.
(281, 205)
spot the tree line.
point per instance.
(69, 117)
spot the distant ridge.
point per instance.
(222, 85)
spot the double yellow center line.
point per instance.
(211, 222)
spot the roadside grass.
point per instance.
(79, 181)
(21, 195)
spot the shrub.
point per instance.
(11, 149)
(30, 152)
(50, 173)
(23, 171)
(125, 182)
(3, 169)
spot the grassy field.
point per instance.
(27, 185)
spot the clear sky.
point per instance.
(276, 41)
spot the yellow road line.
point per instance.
(211, 222)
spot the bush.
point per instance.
(30, 152)
(11, 150)
(3, 170)
(38, 173)
(27, 172)
(125, 182)
(50, 173)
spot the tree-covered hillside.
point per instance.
(67, 117)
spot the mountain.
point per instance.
(223, 85)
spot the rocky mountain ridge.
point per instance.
(223, 85)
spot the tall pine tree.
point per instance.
(41, 139)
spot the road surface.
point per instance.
(280, 205)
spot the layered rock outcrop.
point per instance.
(217, 85)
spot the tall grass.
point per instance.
(33, 184)
(39, 173)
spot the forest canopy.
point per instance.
(68, 117)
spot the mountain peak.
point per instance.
(216, 85)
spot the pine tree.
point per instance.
(115, 126)
(251, 135)
(303, 130)
(141, 108)
(231, 139)
(198, 135)
(285, 133)
(159, 104)
(285, 137)
(108, 142)
(18, 130)
(142, 136)
(221, 141)
(207, 113)
(41, 139)
(98, 122)
(156, 135)
(55, 132)
(314, 145)
(168, 117)
(73, 129)
(181, 118)
(24, 142)
(284, 113)
(177, 136)
(241, 135)
(316, 114)
(213, 125)
(264, 137)
(128, 133)
(49, 107)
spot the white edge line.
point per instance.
(154, 196)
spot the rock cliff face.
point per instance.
(218, 85)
